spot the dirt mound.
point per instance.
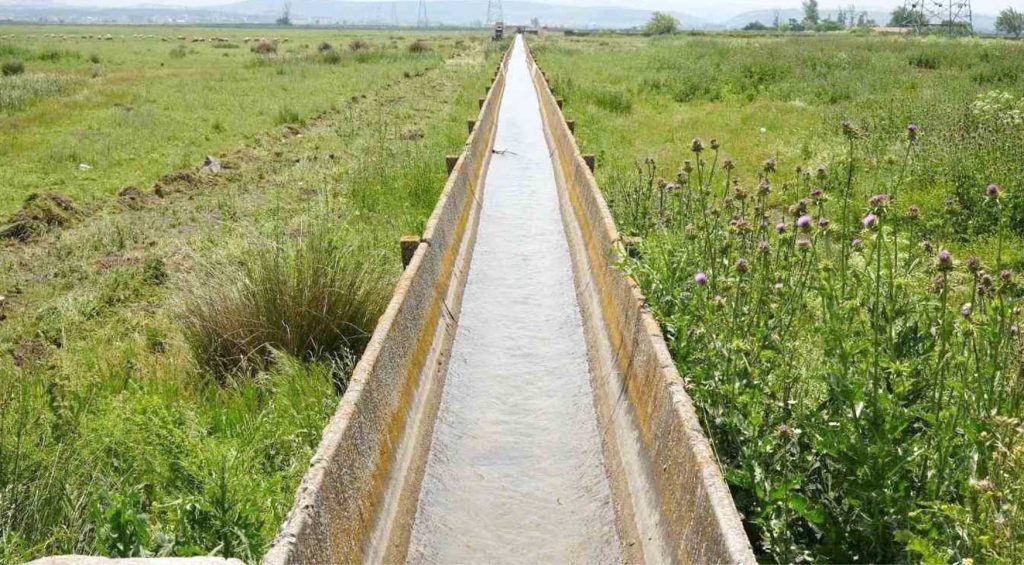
(41, 211)
(175, 182)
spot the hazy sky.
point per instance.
(708, 9)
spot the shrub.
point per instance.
(358, 45)
(315, 299)
(179, 52)
(94, 59)
(12, 67)
(419, 46)
(325, 47)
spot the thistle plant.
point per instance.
(860, 383)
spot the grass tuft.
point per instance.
(315, 299)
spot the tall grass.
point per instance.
(861, 384)
(318, 298)
(19, 90)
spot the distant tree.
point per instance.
(794, 25)
(906, 17)
(755, 26)
(1010, 22)
(829, 25)
(286, 16)
(841, 17)
(661, 24)
(811, 15)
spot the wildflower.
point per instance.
(661, 182)
(770, 165)
(780, 227)
(1006, 275)
(697, 145)
(687, 166)
(728, 164)
(939, 282)
(926, 246)
(878, 200)
(817, 194)
(764, 188)
(984, 485)
(823, 222)
(803, 222)
(945, 260)
(992, 191)
(869, 221)
(856, 243)
(701, 279)
(803, 244)
(763, 246)
(742, 265)
(740, 194)
(966, 310)
(714, 144)
(783, 430)
(777, 286)
(914, 212)
(985, 281)
(912, 132)
(682, 177)
(973, 264)
(822, 171)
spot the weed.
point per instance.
(287, 115)
(419, 46)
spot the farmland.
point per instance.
(828, 228)
(118, 435)
(830, 237)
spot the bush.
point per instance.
(325, 47)
(358, 45)
(12, 67)
(94, 59)
(315, 299)
(419, 46)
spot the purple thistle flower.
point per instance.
(780, 227)
(856, 243)
(823, 222)
(701, 279)
(803, 222)
(945, 260)
(869, 221)
(912, 132)
(992, 191)
(914, 212)
(1006, 275)
(742, 265)
(878, 200)
(697, 145)
(763, 246)
(966, 310)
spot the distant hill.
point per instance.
(455, 12)
(404, 13)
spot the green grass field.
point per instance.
(120, 432)
(840, 292)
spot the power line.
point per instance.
(421, 15)
(951, 17)
(494, 13)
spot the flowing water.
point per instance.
(515, 471)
